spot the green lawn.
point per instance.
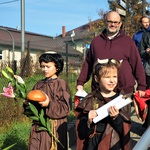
(17, 133)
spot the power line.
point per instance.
(8, 2)
(12, 1)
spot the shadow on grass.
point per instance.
(11, 139)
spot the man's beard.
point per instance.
(112, 32)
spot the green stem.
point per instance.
(55, 138)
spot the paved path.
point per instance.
(136, 130)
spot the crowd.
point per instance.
(112, 132)
(116, 64)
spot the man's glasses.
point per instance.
(113, 22)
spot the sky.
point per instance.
(48, 16)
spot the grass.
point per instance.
(17, 134)
(16, 131)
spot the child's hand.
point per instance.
(113, 112)
(45, 103)
(92, 114)
(25, 102)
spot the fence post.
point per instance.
(67, 60)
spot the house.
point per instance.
(71, 45)
(35, 43)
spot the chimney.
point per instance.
(63, 31)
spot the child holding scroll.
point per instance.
(112, 132)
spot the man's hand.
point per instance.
(80, 87)
(148, 50)
(141, 93)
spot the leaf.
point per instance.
(48, 124)
(6, 75)
(13, 83)
(23, 94)
(10, 70)
(7, 148)
(33, 109)
(22, 85)
(21, 90)
(42, 128)
(35, 118)
(42, 119)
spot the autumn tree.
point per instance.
(134, 12)
(96, 26)
(131, 24)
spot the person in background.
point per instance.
(112, 132)
(144, 26)
(56, 107)
(113, 43)
(144, 50)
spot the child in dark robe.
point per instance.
(56, 107)
(112, 132)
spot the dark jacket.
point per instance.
(138, 36)
(145, 43)
(121, 47)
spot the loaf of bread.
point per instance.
(36, 95)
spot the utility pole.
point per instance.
(22, 28)
(144, 7)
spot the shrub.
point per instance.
(17, 134)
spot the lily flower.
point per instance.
(8, 92)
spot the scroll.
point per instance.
(119, 102)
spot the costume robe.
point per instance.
(57, 111)
(111, 134)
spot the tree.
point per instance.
(95, 27)
(134, 11)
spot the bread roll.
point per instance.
(36, 95)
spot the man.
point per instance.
(113, 43)
(144, 26)
(144, 50)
